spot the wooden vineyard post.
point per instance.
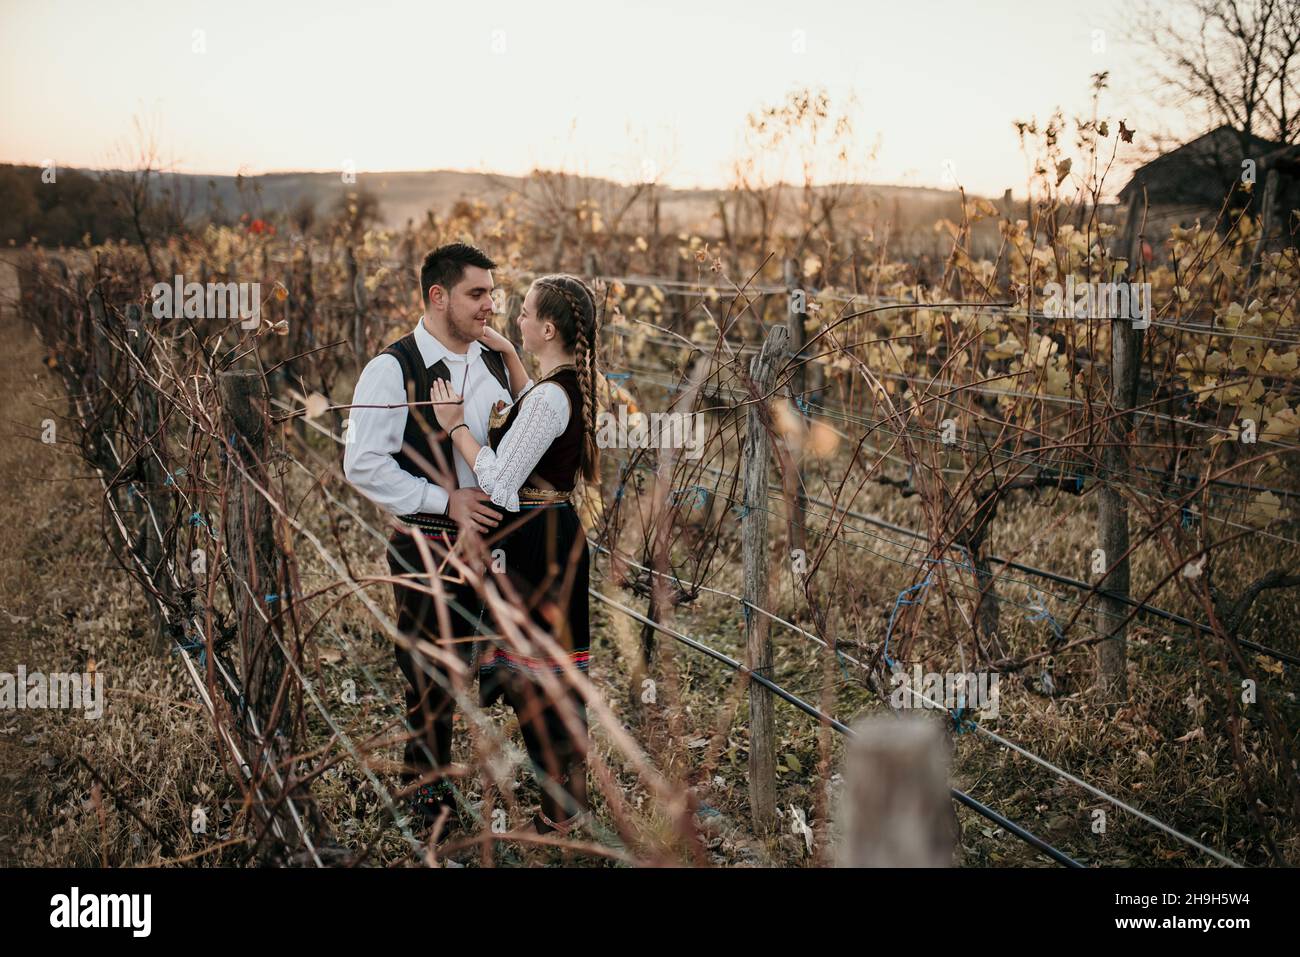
(250, 542)
(100, 372)
(681, 301)
(1112, 509)
(100, 350)
(357, 283)
(754, 544)
(1266, 217)
(796, 314)
(266, 725)
(514, 303)
(146, 497)
(249, 536)
(896, 808)
(1004, 261)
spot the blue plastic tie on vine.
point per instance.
(804, 406)
(193, 645)
(196, 519)
(1039, 607)
(961, 723)
(1078, 484)
(618, 376)
(743, 508)
(272, 597)
(966, 563)
(839, 657)
(701, 495)
(899, 602)
(622, 480)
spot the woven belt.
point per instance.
(427, 522)
(442, 529)
(544, 496)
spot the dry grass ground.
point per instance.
(66, 606)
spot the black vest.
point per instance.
(562, 460)
(426, 449)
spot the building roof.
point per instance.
(1201, 172)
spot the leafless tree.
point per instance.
(132, 185)
(1238, 59)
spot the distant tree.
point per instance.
(303, 214)
(1237, 59)
(19, 210)
(807, 128)
(60, 213)
(355, 212)
(139, 192)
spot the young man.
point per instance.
(400, 459)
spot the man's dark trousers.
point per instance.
(430, 706)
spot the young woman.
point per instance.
(537, 449)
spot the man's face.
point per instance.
(469, 304)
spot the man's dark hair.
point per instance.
(446, 265)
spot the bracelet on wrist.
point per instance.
(462, 425)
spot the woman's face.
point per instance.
(532, 329)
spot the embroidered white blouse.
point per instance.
(541, 420)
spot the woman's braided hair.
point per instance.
(569, 303)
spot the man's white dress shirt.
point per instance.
(375, 435)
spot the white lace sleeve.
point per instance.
(541, 420)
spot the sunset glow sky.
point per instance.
(604, 89)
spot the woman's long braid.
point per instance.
(585, 359)
(586, 331)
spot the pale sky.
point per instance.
(602, 88)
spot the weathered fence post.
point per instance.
(99, 372)
(754, 543)
(514, 304)
(100, 350)
(80, 320)
(149, 544)
(557, 248)
(250, 544)
(250, 540)
(796, 315)
(1004, 260)
(656, 253)
(681, 301)
(896, 809)
(357, 282)
(70, 328)
(1267, 203)
(1112, 509)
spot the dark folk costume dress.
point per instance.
(547, 564)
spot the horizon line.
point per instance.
(518, 176)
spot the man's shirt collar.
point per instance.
(432, 351)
